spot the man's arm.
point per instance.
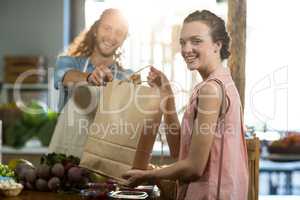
(64, 65)
(74, 76)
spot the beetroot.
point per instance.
(58, 170)
(41, 185)
(75, 174)
(43, 171)
(54, 183)
(30, 175)
(68, 165)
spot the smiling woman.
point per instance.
(194, 46)
(209, 143)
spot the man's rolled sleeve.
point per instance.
(63, 64)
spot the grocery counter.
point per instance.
(34, 195)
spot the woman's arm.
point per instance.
(172, 126)
(203, 133)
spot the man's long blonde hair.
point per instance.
(84, 44)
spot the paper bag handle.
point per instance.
(134, 77)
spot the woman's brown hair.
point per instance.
(217, 27)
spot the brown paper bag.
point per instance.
(124, 129)
(72, 126)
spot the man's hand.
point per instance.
(100, 76)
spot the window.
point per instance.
(272, 65)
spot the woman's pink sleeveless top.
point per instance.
(234, 178)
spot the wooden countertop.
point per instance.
(34, 195)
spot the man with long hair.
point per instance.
(94, 55)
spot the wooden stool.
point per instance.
(253, 146)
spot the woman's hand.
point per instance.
(157, 79)
(100, 76)
(136, 177)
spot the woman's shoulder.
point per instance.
(207, 89)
